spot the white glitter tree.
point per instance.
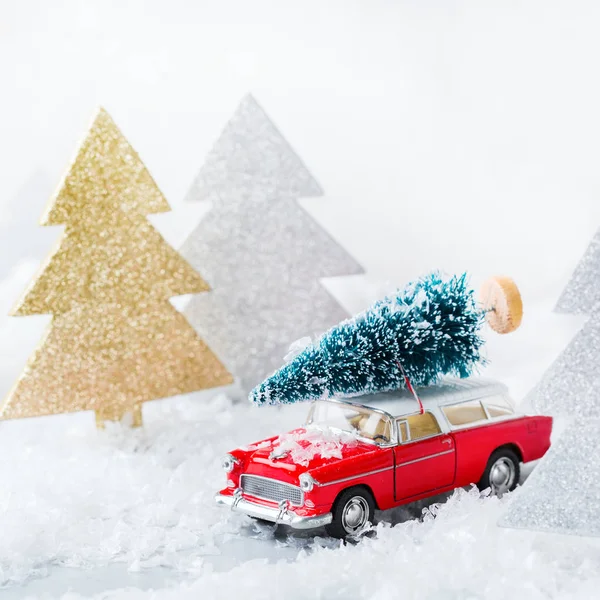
(563, 493)
(262, 253)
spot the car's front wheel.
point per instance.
(502, 472)
(352, 511)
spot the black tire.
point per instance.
(502, 472)
(353, 509)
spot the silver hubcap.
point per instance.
(502, 476)
(355, 514)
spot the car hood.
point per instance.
(289, 455)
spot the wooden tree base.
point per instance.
(502, 304)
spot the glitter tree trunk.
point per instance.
(562, 493)
(115, 340)
(262, 252)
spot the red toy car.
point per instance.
(381, 451)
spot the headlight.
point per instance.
(229, 463)
(306, 482)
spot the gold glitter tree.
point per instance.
(115, 340)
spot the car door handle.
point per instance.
(446, 441)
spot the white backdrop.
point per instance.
(446, 134)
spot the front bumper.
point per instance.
(277, 515)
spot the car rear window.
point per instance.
(465, 413)
(498, 406)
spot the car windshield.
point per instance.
(360, 421)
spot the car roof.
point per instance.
(446, 391)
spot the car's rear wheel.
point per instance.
(352, 512)
(502, 472)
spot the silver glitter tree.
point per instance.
(569, 387)
(563, 493)
(582, 293)
(262, 254)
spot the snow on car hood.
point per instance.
(309, 447)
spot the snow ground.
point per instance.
(114, 515)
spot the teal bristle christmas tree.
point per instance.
(430, 328)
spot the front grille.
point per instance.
(271, 489)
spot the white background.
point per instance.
(446, 134)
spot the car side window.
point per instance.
(498, 406)
(372, 426)
(416, 427)
(422, 426)
(465, 413)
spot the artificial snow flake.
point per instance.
(313, 442)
